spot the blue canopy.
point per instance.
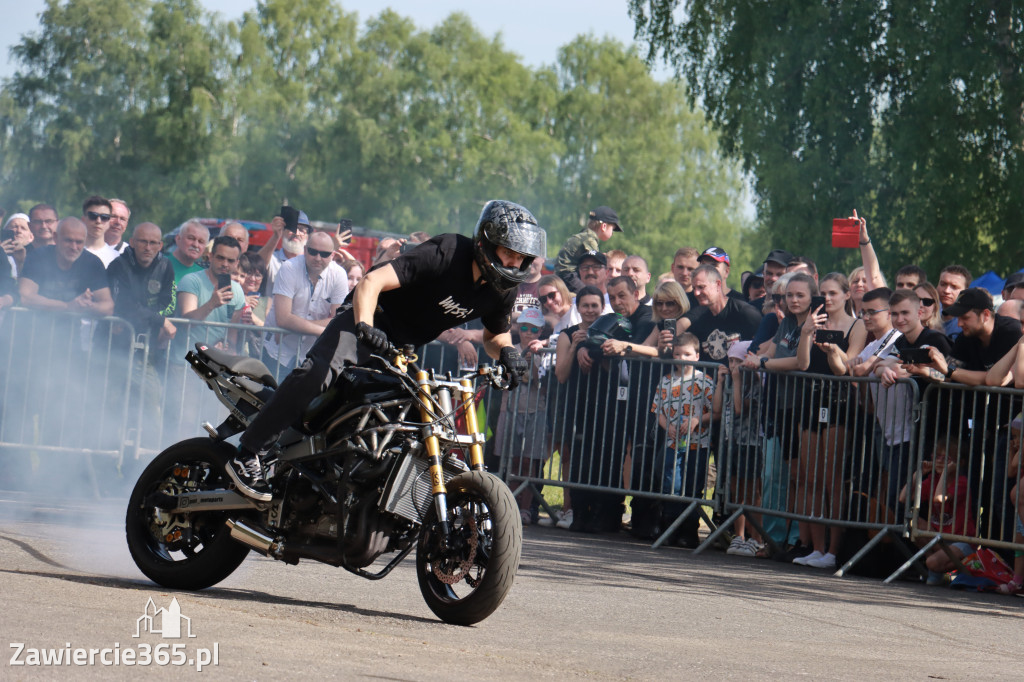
(991, 282)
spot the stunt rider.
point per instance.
(440, 284)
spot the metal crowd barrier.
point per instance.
(608, 445)
(66, 388)
(830, 453)
(963, 488)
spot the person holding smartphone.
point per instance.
(212, 296)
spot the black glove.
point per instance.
(375, 339)
(514, 363)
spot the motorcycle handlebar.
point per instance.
(495, 374)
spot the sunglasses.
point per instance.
(528, 329)
(778, 297)
(665, 302)
(549, 296)
(927, 301)
(318, 252)
(93, 215)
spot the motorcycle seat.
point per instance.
(238, 364)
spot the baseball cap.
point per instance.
(974, 298)
(779, 256)
(596, 255)
(1015, 280)
(606, 215)
(715, 253)
(739, 349)
(531, 316)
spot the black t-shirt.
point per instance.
(738, 320)
(87, 272)
(927, 337)
(437, 293)
(971, 355)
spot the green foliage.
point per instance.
(183, 114)
(909, 112)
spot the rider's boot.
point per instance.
(246, 470)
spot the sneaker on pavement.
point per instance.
(806, 560)
(735, 545)
(747, 548)
(566, 521)
(824, 561)
(549, 521)
(247, 473)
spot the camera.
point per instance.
(828, 336)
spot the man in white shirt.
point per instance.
(893, 401)
(307, 293)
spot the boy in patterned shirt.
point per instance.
(684, 405)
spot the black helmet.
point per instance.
(609, 326)
(503, 223)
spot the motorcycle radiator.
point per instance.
(407, 493)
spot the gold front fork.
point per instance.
(476, 449)
(431, 442)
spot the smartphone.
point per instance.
(828, 336)
(6, 234)
(223, 281)
(915, 356)
(291, 218)
(669, 324)
(817, 302)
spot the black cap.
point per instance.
(780, 256)
(606, 215)
(1015, 280)
(974, 298)
(595, 255)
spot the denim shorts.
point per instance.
(1019, 525)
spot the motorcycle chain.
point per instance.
(466, 564)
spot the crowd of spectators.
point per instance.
(637, 384)
(768, 383)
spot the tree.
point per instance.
(910, 114)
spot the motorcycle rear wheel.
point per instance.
(467, 583)
(182, 551)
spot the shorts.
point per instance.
(746, 462)
(1019, 526)
(823, 405)
(964, 547)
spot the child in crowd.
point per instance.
(737, 398)
(947, 495)
(522, 423)
(684, 405)
(1013, 470)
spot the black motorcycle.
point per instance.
(373, 468)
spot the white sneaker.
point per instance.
(806, 560)
(549, 521)
(824, 561)
(566, 521)
(747, 548)
(735, 547)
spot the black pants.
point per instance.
(334, 349)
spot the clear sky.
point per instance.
(534, 29)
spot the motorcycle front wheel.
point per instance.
(188, 551)
(466, 581)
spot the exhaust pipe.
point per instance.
(255, 538)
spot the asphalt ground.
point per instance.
(595, 607)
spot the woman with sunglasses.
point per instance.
(931, 315)
(557, 304)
